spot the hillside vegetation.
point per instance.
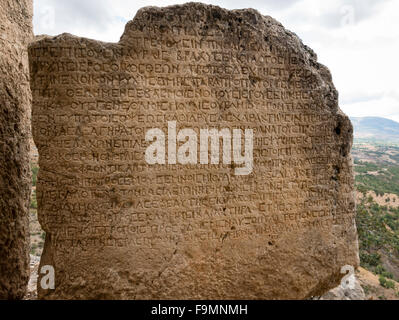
(377, 184)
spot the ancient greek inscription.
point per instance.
(187, 134)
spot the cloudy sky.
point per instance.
(357, 39)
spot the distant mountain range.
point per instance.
(375, 129)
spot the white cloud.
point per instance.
(386, 105)
(357, 39)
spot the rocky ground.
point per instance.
(31, 293)
(373, 289)
(36, 233)
(367, 286)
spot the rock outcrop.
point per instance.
(127, 173)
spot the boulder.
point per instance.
(203, 156)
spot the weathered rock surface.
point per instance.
(15, 108)
(343, 292)
(281, 228)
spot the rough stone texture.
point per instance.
(345, 292)
(31, 291)
(15, 108)
(173, 231)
